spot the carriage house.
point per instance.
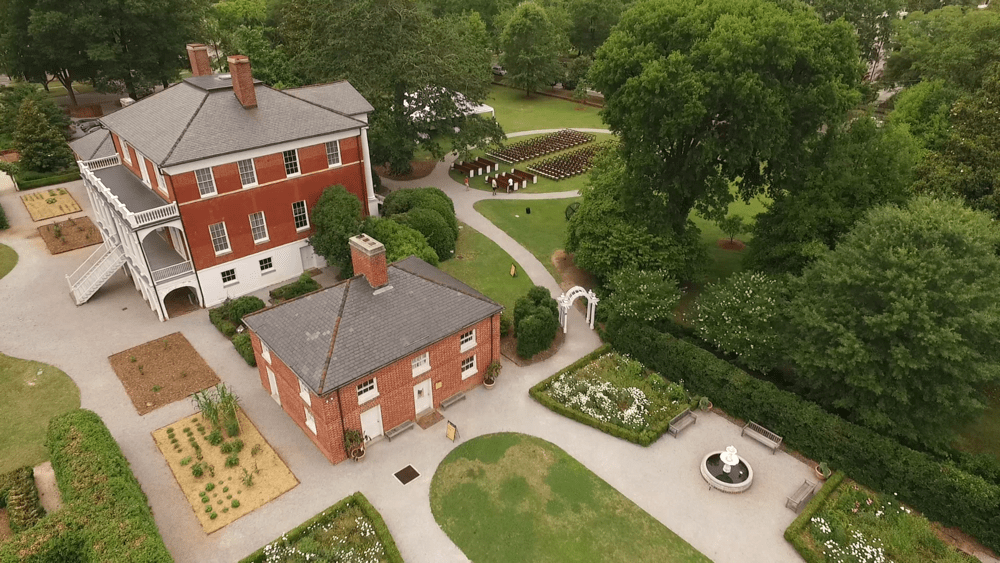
(208, 193)
(375, 352)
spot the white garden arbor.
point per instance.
(566, 301)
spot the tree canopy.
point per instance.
(898, 325)
(925, 108)
(709, 94)
(43, 148)
(531, 45)
(872, 19)
(400, 240)
(336, 217)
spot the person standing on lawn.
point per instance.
(510, 184)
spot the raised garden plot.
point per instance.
(162, 371)
(231, 483)
(847, 522)
(70, 234)
(45, 204)
(349, 531)
(616, 395)
(516, 498)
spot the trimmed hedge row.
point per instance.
(4, 224)
(381, 530)
(19, 495)
(244, 346)
(301, 286)
(793, 534)
(105, 516)
(229, 316)
(538, 393)
(30, 183)
(941, 490)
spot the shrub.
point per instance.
(19, 494)
(185, 461)
(433, 226)
(232, 460)
(232, 447)
(236, 503)
(28, 180)
(244, 346)
(4, 224)
(505, 325)
(240, 307)
(43, 147)
(209, 487)
(335, 218)
(215, 437)
(218, 319)
(402, 201)
(400, 240)
(198, 469)
(536, 321)
(305, 284)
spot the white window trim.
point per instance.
(340, 156)
(310, 420)
(253, 168)
(306, 208)
(270, 270)
(225, 231)
(125, 152)
(160, 184)
(275, 394)
(468, 345)
(215, 187)
(265, 352)
(298, 163)
(143, 171)
(368, 395)
(424, 367)
(304, 394)
(233, 281)
(471, 371)
(263, 218)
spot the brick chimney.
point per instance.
(200, 63)
(239, 68)
(368, 258)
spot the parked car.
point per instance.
(499, 70)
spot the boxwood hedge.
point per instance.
(19, 495)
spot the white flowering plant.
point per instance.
(345, 535)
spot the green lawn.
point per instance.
(983, 434)
(8, 259)
(723, 263)
(516, 498)
(485, 266)
(30, 394)
(515, 112)
(541, 232)
(56, 89)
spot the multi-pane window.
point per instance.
(291, 162)
(310, 420)
(265, 352)
(228, 276)
(367, 390)
(206, 183)
(258, 227)
(300, 215)
(333, 153)
(468, 367)
(304, 393)
(421, 364)
(468, 341)
(125, 152)
(248, 176)
(266, 265)
(220, 240)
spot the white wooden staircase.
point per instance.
(96, 270)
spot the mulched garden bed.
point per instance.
(726, 244)
(162, 371)
(508, 347)
(73, 234)
(421, 169)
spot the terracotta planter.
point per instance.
(819, 474)
(357, 454)
(489, 384)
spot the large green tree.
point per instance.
(531, 45)
(872, 19)
(11, 98)
(898, 326)
(336, 217)
(43, 147)
(709, 94)
(926, 109)
(591, 22)
(851, 170)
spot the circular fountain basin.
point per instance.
(738, 479)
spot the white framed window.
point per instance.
(310, 420)
(160, 184)
(273, 384)
(228, 276)
(291, 159)
(300, 215)
(469, 367)
(220, 239)
(258, 227)
(304, 393)
(367, 390)
(266, 265)
(248, 174)
(421, 364)
(333, 153)
(125, 151)
(468, 341)
(206, 181)
(265, 352)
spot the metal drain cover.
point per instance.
(407, 474)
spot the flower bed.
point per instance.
(850, 523)
(614, 394)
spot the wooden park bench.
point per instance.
(488, 165)
(398, 430)
(525, 176)
(762, 435)
(452, 400)
(681, 421)
(801, 495)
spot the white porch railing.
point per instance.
(134, 219)
(89, 264)
(86, 284)
(173, 271)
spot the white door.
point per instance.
(274, 385)
(371, 423)
(308, 257)
(423, 399)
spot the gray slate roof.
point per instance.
(340, 97)
(201, 118)
(96, 144)
(129, 189)
(423, 306)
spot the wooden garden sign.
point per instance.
(513, 271)
(452, 431)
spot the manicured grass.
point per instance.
(30, 394)
(723, 263)
(854, 519)
(485, 266)
(56, 89)
(8, 259)
(516, 498)
(542, 232)
(983, 434)
(515, 112)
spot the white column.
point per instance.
(369, 186)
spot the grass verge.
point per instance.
(542, 232)
(515, 112)
(8, 259)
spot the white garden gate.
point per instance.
(566, 301)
